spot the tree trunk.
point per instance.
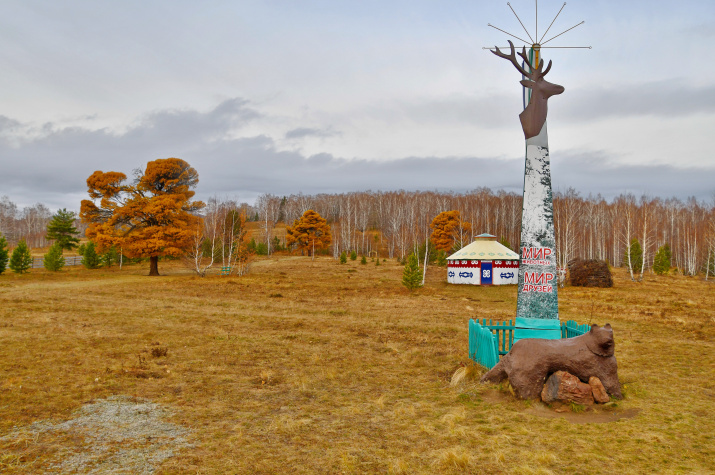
(424, 268)
(154, 265)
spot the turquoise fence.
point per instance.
(482, 345)
(571, 329)
(488, 341)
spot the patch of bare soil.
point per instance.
(587, 415)
(114, 435)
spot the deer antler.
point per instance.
(523, 55)
(536, 72)
(512, 57)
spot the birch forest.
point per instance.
(394, 224)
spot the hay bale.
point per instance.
(590, 273)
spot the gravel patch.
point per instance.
(118, 435)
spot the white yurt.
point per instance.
(483, 262)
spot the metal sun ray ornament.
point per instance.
(537, 314)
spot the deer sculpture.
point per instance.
(534, 116)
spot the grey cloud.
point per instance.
(664, 98)
(489, 112)
(259, 168)
(61, 159)
(302, 132)
(597, 172)
(7, 124)
(667, 99)
(53, 168)
(189, 126)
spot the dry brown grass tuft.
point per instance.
(302, 366)
(455, 459)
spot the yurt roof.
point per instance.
(485, 247)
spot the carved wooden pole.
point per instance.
(537, 302)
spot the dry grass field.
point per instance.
(317, 367)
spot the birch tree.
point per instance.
(269, 207)
(567, 210)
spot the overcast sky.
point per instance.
(333, 96)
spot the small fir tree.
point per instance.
(343, 258)
(636, 253)
(431, 257)
(109, 257)
(377, 261)
(363, 260)
(411, 276)
(353, 255)
(441, 258)
(53, 260)
(61, 230)
(4, 254)
(80, 249)
(21, 260)
(258, 248)
(90, 259)
(661, 262)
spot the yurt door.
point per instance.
(486, 273)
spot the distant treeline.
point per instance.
(397, 223)
(586, 227)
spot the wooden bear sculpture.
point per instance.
(531, 361)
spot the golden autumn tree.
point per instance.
(310, 232)
(151, 217)
(449, 231)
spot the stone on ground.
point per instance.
(599, 392)
(563, 386)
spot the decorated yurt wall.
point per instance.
(483, 262)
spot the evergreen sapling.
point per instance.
(90, 259)
(411, 276)
(661, 261)
(21, 259)
(4, 254)
(109, 257)
(636, 256)
(53, 260)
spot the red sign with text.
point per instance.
(537, 282)
(536, 255)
